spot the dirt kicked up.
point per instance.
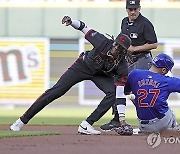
(70, 142)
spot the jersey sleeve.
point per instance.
(127, 87)
(173, 84)
(149, 33)
(95, 38)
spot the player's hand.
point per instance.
(130, 49)
(66, 20)
(133, 49)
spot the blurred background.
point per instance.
(36, 49)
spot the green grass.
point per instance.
(66, 116)
(60, 116)
(7, 134)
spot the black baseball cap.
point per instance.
(123, 40)
(131, 4)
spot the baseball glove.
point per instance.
(124, 130)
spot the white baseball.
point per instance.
(132, 96)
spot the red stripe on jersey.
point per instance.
(119, 84)
(88, 32)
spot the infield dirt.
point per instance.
(70, 142)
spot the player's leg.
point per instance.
(175, 124)
(169, 121)
(106, 84)
(114, 123)
(157, 125)
(120, 101)
(67, 80)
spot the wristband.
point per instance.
(82, 25)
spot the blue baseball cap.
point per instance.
(162, 60)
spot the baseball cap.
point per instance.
(123, 40)
(132, 4)
(163, 60)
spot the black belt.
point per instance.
(144, 122)
(148, 121)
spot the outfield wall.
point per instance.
(44, 19)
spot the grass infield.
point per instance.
(6, 134)
(71, 116)
(60, 116)
(67, 115)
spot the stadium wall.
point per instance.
(45, 20)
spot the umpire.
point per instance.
(143, 36)
(104, 63)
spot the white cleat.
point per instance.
(86, 128)
(17, 125)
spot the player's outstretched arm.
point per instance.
(77, 24)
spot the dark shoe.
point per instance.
(110, 126)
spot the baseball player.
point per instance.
(105, 65)
(143, 36)
(152, 89)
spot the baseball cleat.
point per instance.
(17, 125)
(110, 126)
(86, 128)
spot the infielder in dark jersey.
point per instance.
(105, 65)
(152, 89)
(143, 36)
